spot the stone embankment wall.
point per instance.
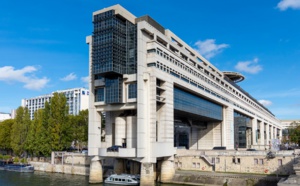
(223, 179)
(255, 162)
(69, 163)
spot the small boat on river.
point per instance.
(19, 168)
(123, 179)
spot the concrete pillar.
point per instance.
(268, 133)
(96, 173)
(194, 138)
(254, 131)
(120, 130)
(228, 128)
(131, 127)
(147, 174)
(272, 132)
(94, 133)
(167, 171)
(262, 133)
(52, 158)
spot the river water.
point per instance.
(8, 178)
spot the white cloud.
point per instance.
(265, 102)
(69, 77)
(85, 80)
(249, 66)
(208, 48)
(285, 4)
(24, 75)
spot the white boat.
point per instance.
(123, 179)
(19, 168)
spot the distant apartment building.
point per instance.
(77, 100)
(4, 116)
(290, 123)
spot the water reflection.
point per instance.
(47, 179)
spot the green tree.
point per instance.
(59, 127)
(5, 132)
(19, 130)
(79, 125)
(43, 134)
(294, 134)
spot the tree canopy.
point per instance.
(52, 129)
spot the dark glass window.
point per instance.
(132, 90)
(99, 94)
(241, 125)
(114, 44)
(187, 102)
(113, 90)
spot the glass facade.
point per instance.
(132, 90)
(241, 125)
(114, 44)
(99, 94)
(187, 102)
(113, 90)
(114, 53)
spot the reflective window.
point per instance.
(241, 122)
(113, 90)
(187, 102)
(114, 44)
(99, 94)
(132, 90)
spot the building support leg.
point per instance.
(96, 173)
(167, 171)
(147, 174)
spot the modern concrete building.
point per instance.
(159, 95)
(77, 100)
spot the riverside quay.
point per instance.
(160, 99)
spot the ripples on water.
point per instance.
(8, 178)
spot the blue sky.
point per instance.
(43, 49)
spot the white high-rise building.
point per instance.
(77, 100)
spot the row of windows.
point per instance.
(240, 96)
(195, 73)
(185, 78)
(100, 93)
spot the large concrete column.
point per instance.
(96, 173)
(120, 130)
(131, 128)
(167, 171)
(228, 128)
(94, 135)
(262, 133)
(254, 131)
(272, 133)
(147, 174)
(268, 133)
